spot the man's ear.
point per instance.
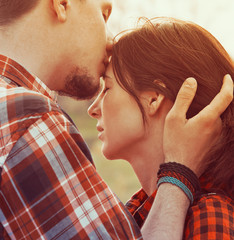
(153, 101)
(60, 8)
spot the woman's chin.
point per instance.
(109, 154)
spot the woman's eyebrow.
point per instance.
(106, 77)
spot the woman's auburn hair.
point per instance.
(159, 56)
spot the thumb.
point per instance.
(185, 97)
(221, 101)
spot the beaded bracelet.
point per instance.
(181, 176)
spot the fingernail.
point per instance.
(190, 82)
(228, 76)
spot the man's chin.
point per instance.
(80, 85)
(87, 95)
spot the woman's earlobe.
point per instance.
(155, 104)
(151, 101)
(60, 8)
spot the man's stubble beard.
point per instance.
(80, 85)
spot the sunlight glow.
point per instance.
(217, 16)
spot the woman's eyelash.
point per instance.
(105, 89)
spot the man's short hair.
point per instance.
(11, 10)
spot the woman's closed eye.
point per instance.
(105, 89)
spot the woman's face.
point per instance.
(120, 122)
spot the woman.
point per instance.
(148, 66)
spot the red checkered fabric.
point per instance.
(49, 188)
(139, 206)
(211, 217)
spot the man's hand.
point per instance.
(186, 141)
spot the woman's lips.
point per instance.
(100, 135)
(100, 130)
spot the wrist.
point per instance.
(180, 176)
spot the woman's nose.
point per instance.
(94, 109)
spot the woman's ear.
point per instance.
(60, 8)
(152, 102)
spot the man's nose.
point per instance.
(109, 43)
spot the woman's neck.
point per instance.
(145, 163)
(146, 156)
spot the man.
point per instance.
(49, 186)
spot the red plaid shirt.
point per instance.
(211, 217)
(49, 188)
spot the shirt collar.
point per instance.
(18, 74)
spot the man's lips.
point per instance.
(103, 70)
(105, 63)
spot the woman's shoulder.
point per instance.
(213, 205)
(214, 198)
(210, 217)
